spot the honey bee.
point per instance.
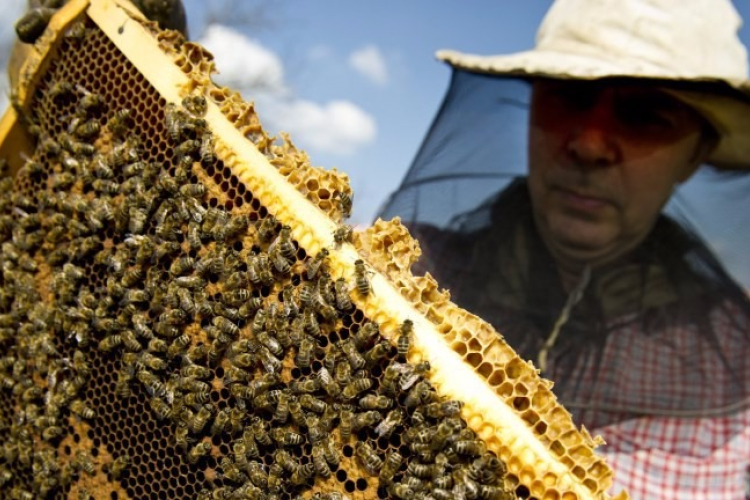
(200, 419)
(61, 88)
(328, 383)
(122, 386)
(196, 371)
(174, 117)
(280, 263)
(186, 301)
(154, 386)
(319, 461)
(237, 297)
(119, 466)
(263, 269)
(130, 342)
(391, 465)
(285, 437)
(192, 385)
(257, 474)
(84, 461)
(178, 346)
(303, 474)
(376, 353)
(241, 392)
(390, 422)
(110, 343)
(187, 148)
(52, 432)
(121, 122)
(195, 104)
(233, 227)
(414, 373)
(267, 228)
(471, 447)
(366, 419)
(312, 403)
(356, 360)
(232, 472)
(226, 326)
(282, 407)
(193, 190)
(197, 398)
(343, 300)
(198, 451)
(207, 154)
(284, 243)
(325, 288)
(295, 410)
(443, 410)
(194, 235)
(368, 458)
(284, 459)
(419, 394)
(260, 432)
(345, 204)
(236, 420)
(304, 353)
(77, 31)
(356, 387)
(88, 129)
(342, 372)
(314, 265)
(270, 343)
(152, 362)
(220, 423)
(404, 339)
(63, 180)
(492, 492)
(343, 234)
(374, 402)
(365, 334)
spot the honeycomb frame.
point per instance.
(506, 403)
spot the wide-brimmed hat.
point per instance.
(690, 42)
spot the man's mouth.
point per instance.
(581, 200)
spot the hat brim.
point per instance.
(730, 116)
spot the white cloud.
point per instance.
(369, 61)
(337, 127)
(243, 62)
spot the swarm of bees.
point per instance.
(251, 352)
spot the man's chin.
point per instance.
(581, 243)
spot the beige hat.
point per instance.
(683, 41)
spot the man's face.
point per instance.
(604, 158)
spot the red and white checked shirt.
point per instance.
(670, 458)
(666, 458)
(680, 458)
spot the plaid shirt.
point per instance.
(680, 458)
(669, 457)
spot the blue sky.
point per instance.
(376, 56)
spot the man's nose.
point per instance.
(593, 142)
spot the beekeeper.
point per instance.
(590, 198)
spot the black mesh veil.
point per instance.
(666, 334)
